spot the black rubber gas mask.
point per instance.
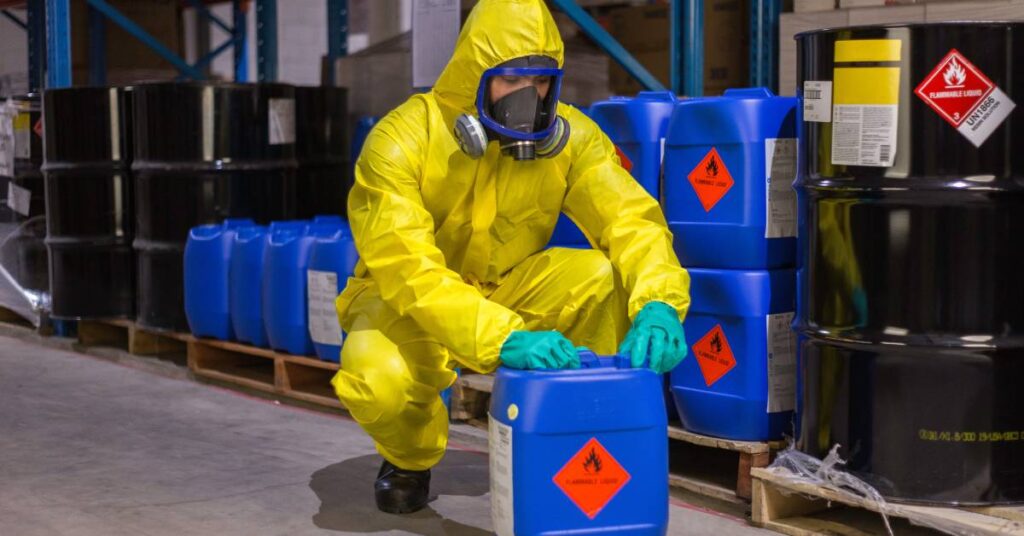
(524, 124)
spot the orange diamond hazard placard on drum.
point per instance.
(591, 478)
(714, 356)
(711, 180)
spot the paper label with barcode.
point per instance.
(780, 198)
(818, 101)
(19, 199)
(502, 498)
(781, 363)
(864, 135)
(322, 289)
(281, 121)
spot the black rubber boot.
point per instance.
(399, 491)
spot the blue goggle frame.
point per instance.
(555, 74)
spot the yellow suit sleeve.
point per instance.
(623, 220)
(394, 234)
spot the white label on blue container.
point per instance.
(781, 363)
(323, 320)
(500, 443)
(780, 198)
(818, 101)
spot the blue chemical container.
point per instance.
(207, 278)
(580, 452)
(567, 235)
(730, 163)
(331, 262)
(739, 380)
(363, 127)
(637, 126)
(285, 262)
(245, 294)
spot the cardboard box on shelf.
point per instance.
(644, 31)
(886, 15)
(966, 10)
(791, 24)
(160, 18)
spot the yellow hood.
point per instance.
(495, 32)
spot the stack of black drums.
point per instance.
(324, 174)
(204, 152)
(89, 202)
(911, 308)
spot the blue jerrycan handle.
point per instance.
(590, 360)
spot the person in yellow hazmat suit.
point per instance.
(456, 193)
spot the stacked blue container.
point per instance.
(285, 262)
(331, 262)
(730, 163)
(207, 278)
(571, 454)
(245, 295)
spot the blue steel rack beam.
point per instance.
(608, 43)
(764, 45)
(337, 34)
(687, 42)
(240, 24)
(36, 45)
(58, 49)
(97, 48)
(266, 40)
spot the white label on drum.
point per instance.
(323, 320)
(281, 121)
(780, 198)
(502, 502)
(781, 363)
(818, 101)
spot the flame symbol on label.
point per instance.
(712, 168)
(593, 462)
(716, 343)
(955, 74)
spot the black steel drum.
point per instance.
(204, 152)
(910, 281)
(88, 202)
(324, 174)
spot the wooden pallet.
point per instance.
(712, 467)
(803, 509)
(127, 336)
(301, 378)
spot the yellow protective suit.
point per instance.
(451, 248)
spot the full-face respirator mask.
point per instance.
(525, 125)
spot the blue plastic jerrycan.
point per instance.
(637, 126)
(285, 262)
(579, 451)
(207, 278)
(244, 292)
(730, 163)
(331, 262)
(739, 380)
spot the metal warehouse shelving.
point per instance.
(49, 34)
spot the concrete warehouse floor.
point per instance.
(90, 447)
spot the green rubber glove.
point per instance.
(656, 336)
(529, 350)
